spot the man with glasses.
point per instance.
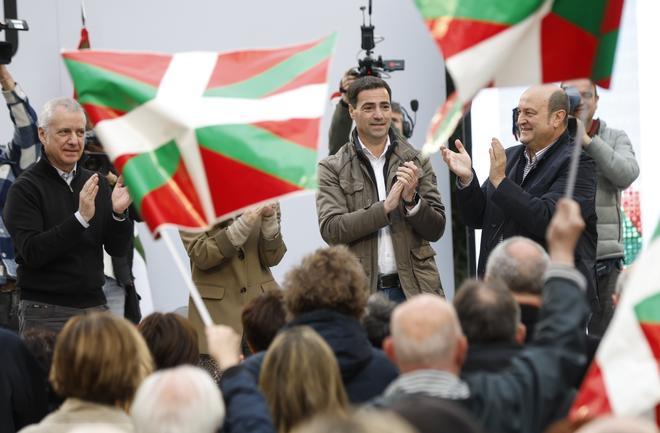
(616, 169)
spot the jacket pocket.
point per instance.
(269, 286)
(354, 192)
(210, 291)
(425, 269)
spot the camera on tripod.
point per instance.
(370, 65)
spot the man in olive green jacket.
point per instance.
(379, 196)
(231, 265)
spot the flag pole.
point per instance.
(194, 293)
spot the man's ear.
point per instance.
(558, 117)
(521, 333)
(388, 348)
(350, 111)
(42, 135)
(461, 351)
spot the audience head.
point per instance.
(488, 313)
(520, 263)
(376, 321)
(300, 378)
(183, 399)
(367, 421)
(171, 339)
(99, 358)
(262, 318)
(426, 334)
(435, 415)
(41, 343)
(329, 278)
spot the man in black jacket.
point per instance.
(60, 216)
(526, 181)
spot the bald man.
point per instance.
(428, 346)
(525, 181)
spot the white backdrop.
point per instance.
(172, 26)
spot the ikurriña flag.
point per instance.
(514, 43)
(201, 135)
(624, 378)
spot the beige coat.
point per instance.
(350, 213)
(228, 278)
(74, 413)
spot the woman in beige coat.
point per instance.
(231, 265)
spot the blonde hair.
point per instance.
(101, 358)
(300, 378)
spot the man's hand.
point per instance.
(224, 345)
(6, 80)
(497, 162)
(394, 197)
(564, 231)
(121, 200)
(582, 132)
(346, 82)
(86, 203)
(251, 215)
(269, 209)
(408, 174)
(459, 162)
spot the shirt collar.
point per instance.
(66, 176)
(436, 383)
(370, 155)
(537, 156)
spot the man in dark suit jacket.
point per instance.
(525, 181)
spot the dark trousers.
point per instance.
(9, 300)
(607, 273)
(53, 317)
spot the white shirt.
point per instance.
(386, 258)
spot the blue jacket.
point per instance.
(247, 411)
(366, 371)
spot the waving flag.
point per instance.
(505, 43)
(201, 135)
(624, 378)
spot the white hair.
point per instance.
(48, 111)
(521, 276)
(179, 400)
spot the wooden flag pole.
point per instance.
(194, 293)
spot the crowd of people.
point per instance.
(359, 336)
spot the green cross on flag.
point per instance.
(201, 135)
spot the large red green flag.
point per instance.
(624, 378)
(201, 135)
(515, 43)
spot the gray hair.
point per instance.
(179, 400)
(48, 111)
(424, 339)
(520, 274)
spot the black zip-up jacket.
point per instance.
(59, 261)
